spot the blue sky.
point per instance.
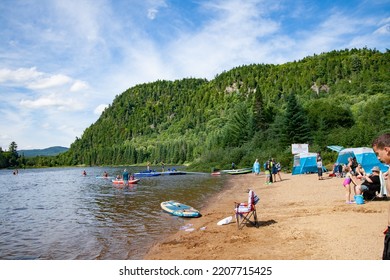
(63, 62)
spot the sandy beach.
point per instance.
(301, 218)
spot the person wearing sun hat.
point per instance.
(370, 184)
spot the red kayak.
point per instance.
(121, 182)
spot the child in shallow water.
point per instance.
(347, 185)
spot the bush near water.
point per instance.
(251, 111)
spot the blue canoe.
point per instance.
(147, 174)
(173, 172)
(178, 209)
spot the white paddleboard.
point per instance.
(225, 221)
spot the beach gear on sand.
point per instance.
(225, 221)
(359, 199)
(244, 211)
(178, 209)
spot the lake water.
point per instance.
(56, 213)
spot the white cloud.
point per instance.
(234, 36)
(79, 85)
(5, 140)
(154, 5)
(35, 80)
(50, 82)
(383, 30)
(82, 19)
(99, 109)
(152, 12)
(20, 75)
(52, 100)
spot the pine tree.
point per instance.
(13, 161)
(295, 126)
(259, 119)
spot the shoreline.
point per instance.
(301, 218)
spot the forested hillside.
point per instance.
(51, 151)
(252, 111)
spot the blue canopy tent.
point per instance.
(305, 163)
(365, 156)
(335, 148)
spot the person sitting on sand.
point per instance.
(359, 171)
(370, 184)
(337, 170)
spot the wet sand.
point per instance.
(301, 218)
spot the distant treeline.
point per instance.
(249, 112)
(11, 157)
(30, 158)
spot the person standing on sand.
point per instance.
(274, 170)
(381, 146)
(279, 169)
(256, 167)
(347, 185)
(267, 172)
(319, 166)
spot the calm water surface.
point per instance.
(56, 213)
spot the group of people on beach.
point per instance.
(271, 169)
(363, 184)
(366, 183)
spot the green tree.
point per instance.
(13, 160)
(259, 114)
(295, 126)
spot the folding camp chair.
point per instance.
(244, 211)
(383, 191)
